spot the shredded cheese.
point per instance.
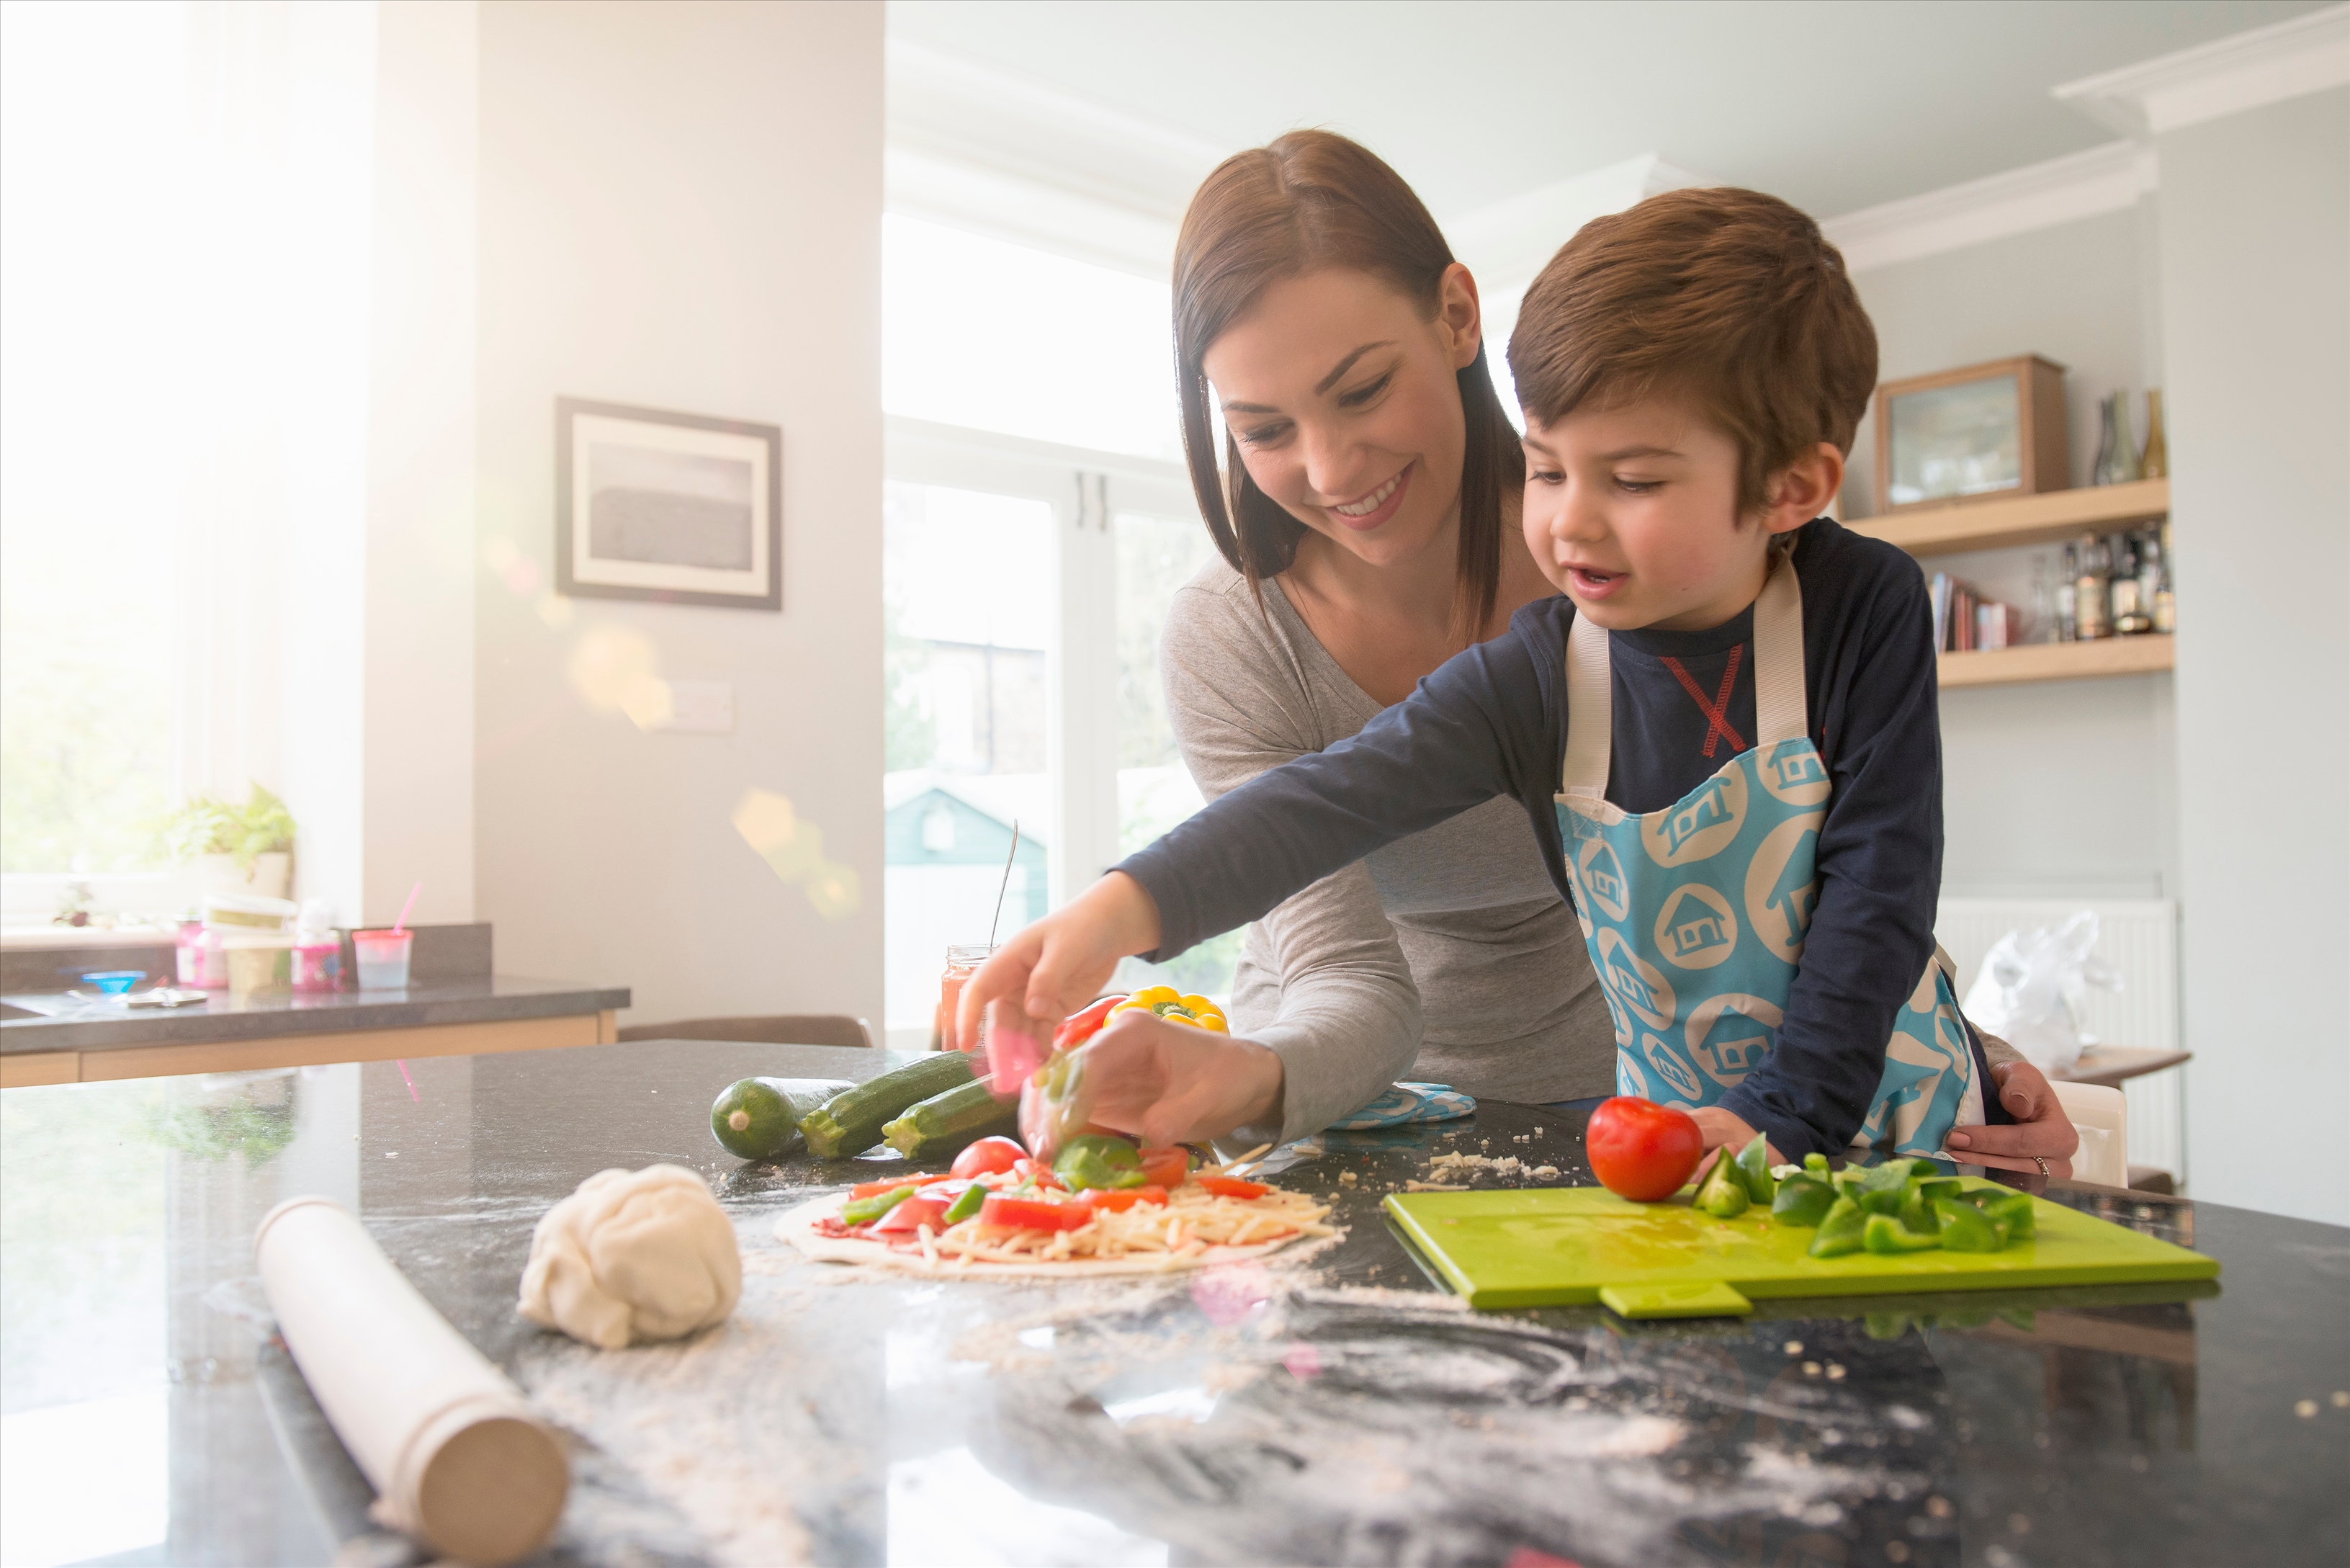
(1190, 1222)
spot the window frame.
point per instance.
(1087, 489)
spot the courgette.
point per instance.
(852, 1122)
(941, 1125)
(759, 1118)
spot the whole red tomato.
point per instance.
(1642, 1150)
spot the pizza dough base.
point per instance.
(798, 1226)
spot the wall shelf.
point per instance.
(2044, 519)
(2058, 661)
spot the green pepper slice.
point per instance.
(1841, 1230)
(1097, 1159)
(1885, 1235)
(1723, 1193)
(1882, 1187)
(1754, 1170)
(1816, 1164)
(2013, 1209)
(865, 1211)
(1917, 1214)
(1963, 1228)
(1801, 1201)
(965, 1205)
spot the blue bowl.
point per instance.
(115, 981)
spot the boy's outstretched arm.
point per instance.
(1455, 743)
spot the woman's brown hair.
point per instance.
(1307, 200)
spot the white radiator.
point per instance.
(2137, 939)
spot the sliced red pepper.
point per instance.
(1032, 1214)
(1232, 1187)
(1039, 1173)
(1165, 1166)
(1080, 1027)
(912, 1215)
(1120, 1199)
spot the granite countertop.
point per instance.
(1338, 1408)
(63, 1022)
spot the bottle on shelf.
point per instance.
(2044, 602)
(2166, 613)
(2154, 462)
(2117, 452)
(2150, 578)
(2128, 613)
(2092, 607)
(2067, 596)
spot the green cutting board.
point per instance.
(1568, 1245)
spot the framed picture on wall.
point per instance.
(675, 507)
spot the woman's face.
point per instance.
(1344, 400)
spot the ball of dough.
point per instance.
(633, 1256)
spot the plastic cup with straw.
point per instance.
(383, 955)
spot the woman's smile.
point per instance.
(1368, 512)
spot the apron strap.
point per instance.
(1590, 709)
(1780, 705)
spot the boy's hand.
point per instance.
(1060, 963)
(2042, 1129)
(1169, 1082)
(1726, 1130)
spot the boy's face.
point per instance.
(1632, 513)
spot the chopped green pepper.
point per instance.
(1097, 1159)
(1754, 1170)
(1816, 1164)
(965, 1205)
(2013, 1209)
(1917, 1214)
(865, 1211)
(1884, 1234)
(1943, 1187)
(1841, 1230)
(1883, 1187)
(1963, 1228)
(1723, 1193)
(1802, 1200)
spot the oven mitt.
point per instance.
(1408, 1102)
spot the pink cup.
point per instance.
(382, 959)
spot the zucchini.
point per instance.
(759, 1118)
(851, 1122)
(941, 1125)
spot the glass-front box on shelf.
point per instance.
(1974, 434)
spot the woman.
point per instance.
(1367, 517)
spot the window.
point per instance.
(1037, 523)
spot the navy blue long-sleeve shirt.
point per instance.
(1493, 721)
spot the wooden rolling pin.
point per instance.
(454, 1452)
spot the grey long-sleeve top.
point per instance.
(1447, 956)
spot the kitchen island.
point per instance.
(1331, 1407)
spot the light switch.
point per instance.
(699, 707)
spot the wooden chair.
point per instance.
(789, 1029)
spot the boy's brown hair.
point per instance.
(1731, 298)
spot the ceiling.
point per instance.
(1837, 105)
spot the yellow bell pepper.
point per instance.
(1175, 1007)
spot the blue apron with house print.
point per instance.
(1695, 916)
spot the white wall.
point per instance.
(681, 209)
(2256, 318)
(2066, 789)
(417, 687)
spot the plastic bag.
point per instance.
(2032, 986)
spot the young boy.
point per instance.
(1724, 730)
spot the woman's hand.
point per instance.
(1170, 1083)
(2041, 1128)
(1063, 961)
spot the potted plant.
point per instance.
(237, 849)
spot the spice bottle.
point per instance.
(2128, 613)
(2092, 609)
(2067, 591)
